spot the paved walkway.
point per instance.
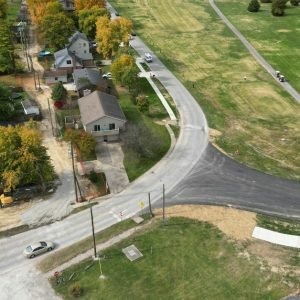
(276, 237)
(254, 52)
(164, 102)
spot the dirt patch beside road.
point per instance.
(233, 222)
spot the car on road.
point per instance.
(107, 75)
(133, 33)
(38, 248)
(44, 53)
(148, 57)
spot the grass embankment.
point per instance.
(277, 39)
(259, 122)
(159, 140)
(279, 224)
(64, 255)
(184, 259)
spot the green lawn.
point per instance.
(184, 259)
(259, 122)
(277, 39)
(135, 163)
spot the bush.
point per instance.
(295, 2)
(278, 8)
(59, 93)
(253, 6)
(93, 177)
(142, 103)
(75, 290)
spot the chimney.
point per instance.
(74, 60)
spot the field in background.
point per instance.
(277, 39)
(259, 122)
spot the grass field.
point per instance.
(277, 39)
(184, 259)
(259, 122)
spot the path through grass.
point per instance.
(259, 122)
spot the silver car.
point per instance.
(37, 249)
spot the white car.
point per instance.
(38, 248)
(148, 57)
(107, 75)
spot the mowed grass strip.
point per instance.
(277, 39)
(184, 259)
(259, 122)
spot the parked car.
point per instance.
(107, 75)
(93, 44)
(148, 57)
(133, 33)
(44, 53)
(38, 248)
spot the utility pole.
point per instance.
(150, 207)
(164, 204)
(49, 108)
(38, 76)
(74, 175)
(93, 231)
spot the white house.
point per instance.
(102, 116)
(55, 76)
(30, 107)
(79, 44)
(66, 60)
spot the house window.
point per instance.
(55, 78)
(97, 128)
(84, 44)
(112, 126)
(84, 51)
(69, 62)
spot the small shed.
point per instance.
(52, 77)
(30, 107)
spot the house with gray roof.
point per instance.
(102, 116)
(66, 60)
(79, 44)
(88, 78)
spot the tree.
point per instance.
(295, 2)
(24, 159)
(3, 9)
(253, 6)
(87, 4)
(142, 103)
(85, 141)
(7, 62)
(53, 8)
(278, 8)
(37, 9)
(124, 69)
(59, 93)
(88, 19)
(111, 33)
(266, 1)
(57, 29)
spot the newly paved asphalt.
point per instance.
(285, 85)
(217, 179)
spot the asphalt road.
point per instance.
(217, 179)
(285, 85)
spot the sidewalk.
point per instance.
(276, 237)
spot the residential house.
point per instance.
(30, 107)
(52, 77)
(102, 116)
(79, 44)
(66, 60)
(88, 79)
(76, 54)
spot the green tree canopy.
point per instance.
(3, 9)
(88, 19)
(6, 48)
(24, 159)
(253, 6)
(53, 8)
(59, 93)
(295, 2)
(57, 29)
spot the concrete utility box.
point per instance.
(132, 253)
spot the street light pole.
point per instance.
(93, 231)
